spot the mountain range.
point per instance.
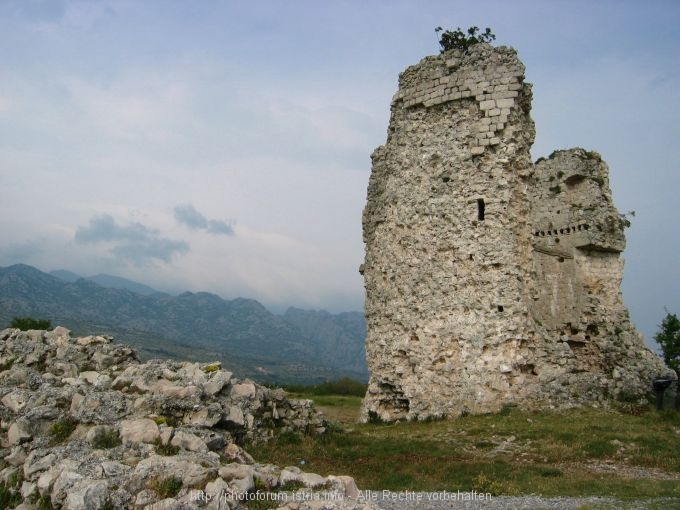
(299, 346)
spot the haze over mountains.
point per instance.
(299, 346)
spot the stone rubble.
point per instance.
(490, 281)
(86, 426)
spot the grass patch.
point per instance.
(514, 452)
(10, 496)
(61, 430)
(291, 486)
(106, 439)
(165, 449)
(165, 487)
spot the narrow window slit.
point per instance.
(480, 209)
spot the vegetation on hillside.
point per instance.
(26, 323)
(344, 386)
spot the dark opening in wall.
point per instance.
(500, 308)
(480, 209)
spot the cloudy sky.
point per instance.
(224, 145)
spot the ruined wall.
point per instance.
(477, 294)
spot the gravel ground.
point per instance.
(452, 501)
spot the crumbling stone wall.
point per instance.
(489, 281)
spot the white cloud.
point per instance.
(134, 242)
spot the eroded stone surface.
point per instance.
(490, 281)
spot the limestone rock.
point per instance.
(188, 441)
(87, 495)
(16, 457)
(139, 431)
(294, 474)
(64, 401)
(15, 401)
(218, 381)
(19, 432)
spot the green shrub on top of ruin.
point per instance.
(459, 40)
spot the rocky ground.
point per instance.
(86, 426)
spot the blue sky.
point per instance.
(224, 146)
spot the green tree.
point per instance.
(668, 337)
(459, 40)
(26, 323)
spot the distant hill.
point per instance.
(108, 281)
(298, 347)
(67, 276)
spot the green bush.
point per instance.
(459, 40)
(26, 323)
(668, 337)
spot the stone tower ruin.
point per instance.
(490, 280)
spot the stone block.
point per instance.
(487, 105)
(505, 103)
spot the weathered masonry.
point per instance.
(490, 280)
